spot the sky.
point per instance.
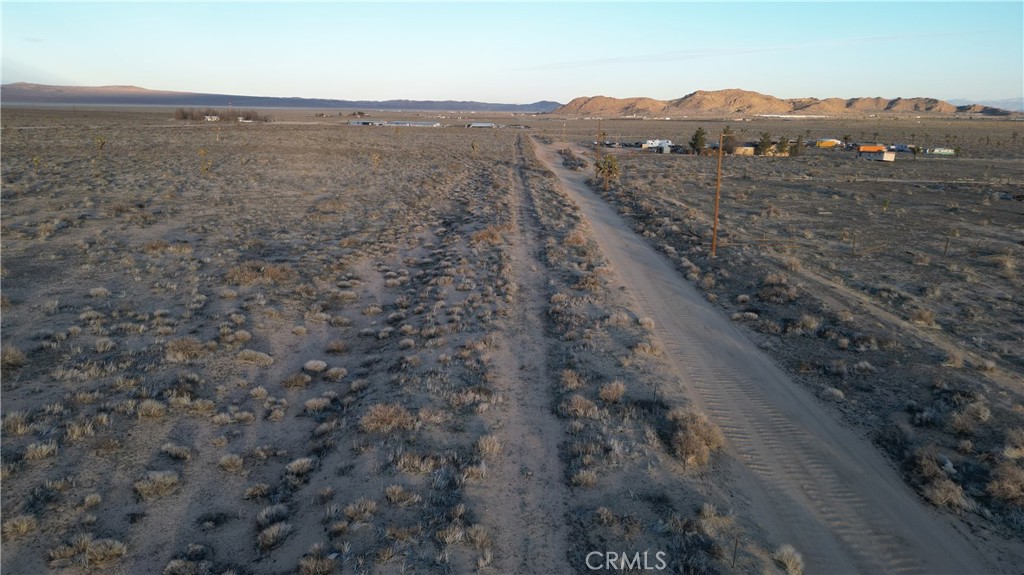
(523, 52)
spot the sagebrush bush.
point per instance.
(695, 438)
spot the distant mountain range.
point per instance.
(700, 103)
(747, 103)
(25, 93)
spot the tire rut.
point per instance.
(529, 505)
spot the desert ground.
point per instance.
(308, 347)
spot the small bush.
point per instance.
(386, 418)
(156, 484)
(696, 437)
(789, 559)
(1007, 484)
(612, 392)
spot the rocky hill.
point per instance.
(747, 103)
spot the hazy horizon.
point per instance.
(523, 53)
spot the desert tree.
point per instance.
(795, 149)
(764, 145)
(847, 138)
(607, 168)
(782, 148)
(698, 140)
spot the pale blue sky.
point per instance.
(523, 52)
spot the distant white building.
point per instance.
(212, 118)
(656, 144)
(481, 125)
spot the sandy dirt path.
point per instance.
(529, 504)
(795, 471)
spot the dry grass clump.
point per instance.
(584, 478)
(184, 350)
(301, 466)
(272, 514)
(11, 358)
(337, 347)
(16, 423)
(36, 451)
(489, 446)
(612, 392)
(273, 536)
(1014, 443)
(175, 451)
(296, 380)
(1007, 483)
(256, 357)
(944, 492)
(336, 373)
(571, 380)
(695, 438)
(361, 510)
(231, 463)
(400, 496)
(18, 526)
(84, 551)
(315, 366)
(151, 408)
(156, 484)
(789, 559)
(579, 407)
(317, 562)
(258, 272)
(387, 418)
(492, 234)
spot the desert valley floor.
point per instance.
(308, 347)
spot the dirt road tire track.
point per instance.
(806, 480)
(529, 507)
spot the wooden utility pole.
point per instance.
(718, 194)
(597, 145)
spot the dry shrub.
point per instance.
(84, 551)
(259, 272)
(580, 407)
(11, 358)
(612, 392)
(584, 478)
(301, 466)
(386, 418)
(273, 536)
(151, 408)
(944, 492)
(255, 357)
(1007, 483)
(789, 559)
(571, 380)
(314, 366)
(400, 496)
(184, 350)
(696, 437)
(489, 446)
(491, 235)
(231, 463)
(317, 562)
(296, 380)
(576, 238)
(1014, 446)
(156, 484)
(18, 526)
(361, 510)
(923, 316)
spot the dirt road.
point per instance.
(795, 472)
